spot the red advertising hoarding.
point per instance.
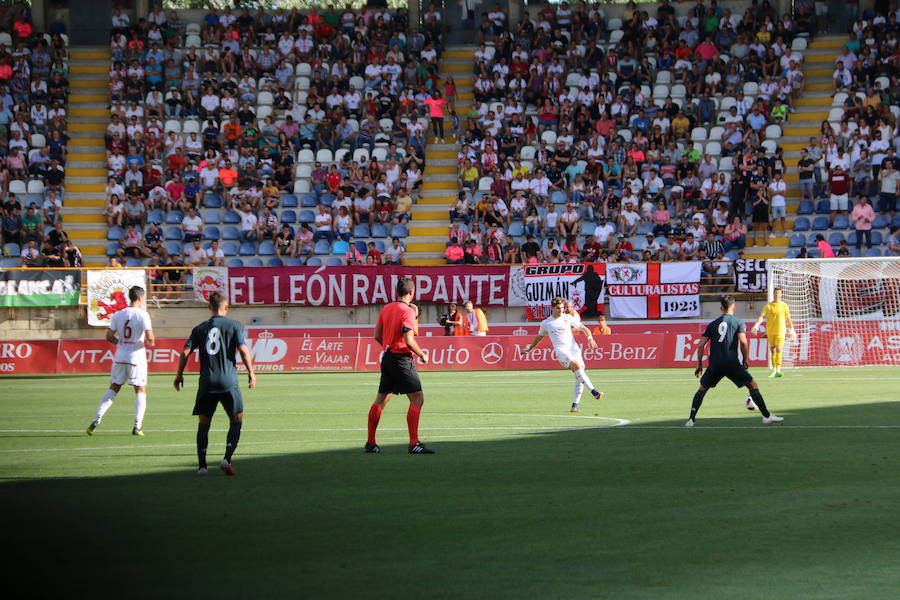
(28, 357)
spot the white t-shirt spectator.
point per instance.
(192, 224)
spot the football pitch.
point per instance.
(523, 499)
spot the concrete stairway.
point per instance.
(430, 224)
(83, 217)
(812, 108)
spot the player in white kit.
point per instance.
(130, 330)
(559, 326)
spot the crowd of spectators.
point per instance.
(262, 113)
(33, 142)
(640, 138)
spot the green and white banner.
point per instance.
(39, 287)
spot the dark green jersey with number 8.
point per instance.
(217, 341)
(723, 341)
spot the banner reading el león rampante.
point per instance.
(107, 292)
(534, 286)
(39, 287)
(362, 285)
(653, 290)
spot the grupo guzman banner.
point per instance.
(362, 285)
(40, 287)
(534, 286)
(107, 292)
(653, 290)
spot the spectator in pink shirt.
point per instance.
(825, 249)
(436, 112)
(454, 253)
(862, 216)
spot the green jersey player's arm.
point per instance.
(703, 342)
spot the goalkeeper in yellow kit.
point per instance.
(778, 322)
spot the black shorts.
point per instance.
(398, 374)
(738, 375)
(207, 402)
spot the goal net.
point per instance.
(846, 311)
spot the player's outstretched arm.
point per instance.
(703, 342)
(537, 340)
(592, 343)
(248, 363)
(409, 338)
(762, 316)
(182, 363)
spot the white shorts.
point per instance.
(123, 373)
(565, 356)
(479, 333)
(839, 201)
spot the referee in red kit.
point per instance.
(396, 331)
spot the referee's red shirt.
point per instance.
(395, 318)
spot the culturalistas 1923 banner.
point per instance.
(39, 287)
(653, 290)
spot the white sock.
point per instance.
(140, 406)
(576, 395)
(582, 376)
(105, 403)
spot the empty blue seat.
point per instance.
(379, 231)
(361, 246)
(308, 201)
(361, 231)
(811, 240)
(212, 217)
(820, 223)
(155, 216)
(274, 262)
(854, 252)
(327, 200)
(9, 263)
(266, 248)
(340, 247)
(234, 262)
(334, 261)
(559, 197)
(255, 262)
(517, 229)
(835, 238)
(230, 248)
(173, 247)
(813, 253)
(399, 231)
(211, 233)
(307, 216)
(877, 239)
(294, 262)
(115, 233)
(288, 216)
(792, 253)
(806, 208)
(288, 201)
(212, 200)
(733, 254)
(823, 207)
(322, 247)
(895, 222)
(798, 240)
(840, 222)
(133, 262)
(880, 222)
(111, 248)
(801, 224)
(379, 245)
(173, 233)
(231, 218)
(231, 233)
(314, 261)
(873, 252)
(174, 217)
(247, 249)
(12, 249)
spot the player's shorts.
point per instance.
(839, 201)
(126, 373)
(738, 375)
(207, 402)
(775, 341)
(398, 374)
(565, 356)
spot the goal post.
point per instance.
(846, 311)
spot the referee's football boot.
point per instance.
(373, 449)
(419, 448)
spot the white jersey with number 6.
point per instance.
(130, 324)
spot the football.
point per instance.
(749, 404)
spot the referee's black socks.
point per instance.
(760, 403)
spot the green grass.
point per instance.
(522, 500)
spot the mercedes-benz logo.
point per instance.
(492, 353)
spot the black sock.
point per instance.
(202, 442)
(760, 403)
(234, 435)
(695, 405)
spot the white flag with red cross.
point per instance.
(653, 290)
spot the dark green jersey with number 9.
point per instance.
(217, 341)
(723, 337)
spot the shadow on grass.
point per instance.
(604, 513)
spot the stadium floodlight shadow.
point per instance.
(627, 512)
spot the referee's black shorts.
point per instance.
(738, 375)
(398, 374)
